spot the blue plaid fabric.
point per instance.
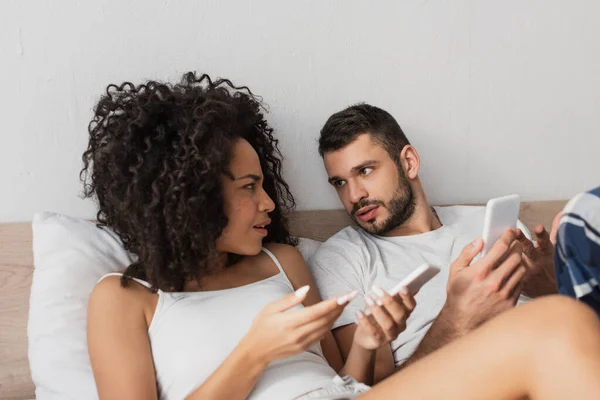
(577, 253)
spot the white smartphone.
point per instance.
(501, 214)
(416, 279)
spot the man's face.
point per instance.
(372, 187)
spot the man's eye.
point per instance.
(339, 184)
(366, 170)
(250, 186)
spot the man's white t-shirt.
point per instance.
(353, 259)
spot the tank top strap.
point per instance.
(140, 281)
(275, 260)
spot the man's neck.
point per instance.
(423, 220)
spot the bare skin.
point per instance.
(538, 257)
(547, 349)
(363, 170)
(119, 318)
(120, 350)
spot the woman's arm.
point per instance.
(118, 320)
(117, 335)
(360, 362)
(235, 378)
(121, 357)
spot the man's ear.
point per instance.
(410, 161)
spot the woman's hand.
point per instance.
(387, 319)
(278, 334)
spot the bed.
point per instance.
(16, 268)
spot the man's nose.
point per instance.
(356, 192)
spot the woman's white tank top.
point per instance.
(192, 333)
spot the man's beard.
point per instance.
(401, 207)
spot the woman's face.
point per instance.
(247, 205)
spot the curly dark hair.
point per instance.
(154, 160)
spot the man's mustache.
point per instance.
(364, 203)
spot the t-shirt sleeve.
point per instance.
(338, 268)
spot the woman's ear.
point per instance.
(410, 161)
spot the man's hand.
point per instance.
(538, 258)
(486, 288)
(476, 292)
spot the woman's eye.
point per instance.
(366, 171)
(250, 186)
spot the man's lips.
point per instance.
(367, 213)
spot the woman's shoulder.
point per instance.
(110, 296)
(285, 253)
(292, 263)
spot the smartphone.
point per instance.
(501, 214)
(416, 279)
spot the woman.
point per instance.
(189, 176)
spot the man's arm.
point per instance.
(441, 332)
(476, 292)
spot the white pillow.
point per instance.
(70, 256)
(307, 247)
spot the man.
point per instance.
(375, 171)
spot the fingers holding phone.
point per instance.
(279, 331)
(384, 319)
(538, 258)
(479, 290)
(387, 313)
